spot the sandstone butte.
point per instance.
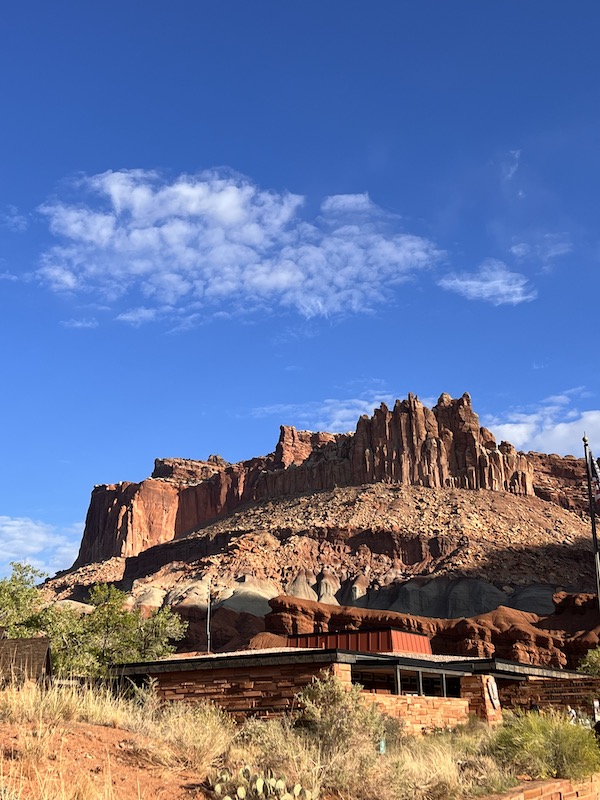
(417, 519)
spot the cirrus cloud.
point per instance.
(493, 283)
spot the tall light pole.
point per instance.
(592, 502)
(208, 619)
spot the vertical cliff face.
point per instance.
(411, 445)
(126, 518)
(444, 446)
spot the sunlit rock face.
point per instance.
(417, 518)
(410, 445)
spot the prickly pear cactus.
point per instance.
(246, 785)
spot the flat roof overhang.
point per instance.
(500, 668)
(369, 661)
(233, 660)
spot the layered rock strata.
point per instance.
(558, 639)
(409, 445)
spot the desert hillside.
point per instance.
(418, 512)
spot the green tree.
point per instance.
(66, 629)
(86, 643)
(155, 634)
(20, 599)
(109, 628)
(111, 634)
(591, 662)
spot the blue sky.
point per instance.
(216, 218)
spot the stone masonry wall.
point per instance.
(558, 694)
(261, 691)
(482, 693)
(422, 714)
(269, 691)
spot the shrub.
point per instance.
(334, 715)
(331, 742)
(546, 745)
(590, 664)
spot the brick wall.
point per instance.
(421, 714)
(588, 789)
(576, 692)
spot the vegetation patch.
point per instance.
(546, 745)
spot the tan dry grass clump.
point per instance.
(333, 746)
(84, 742)
(177, 735)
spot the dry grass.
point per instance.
(331, 748)
(29, 782)
(437, 767)
(186, 736)
(448, 766)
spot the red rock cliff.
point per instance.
(411, 444)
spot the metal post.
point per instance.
(208, 619)
(592, 503)
(420, 679)
(444, 687)
(397, 680)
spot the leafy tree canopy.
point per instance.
(20, 599)
(86, 643)
(591, 662)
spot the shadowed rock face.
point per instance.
(409, 445)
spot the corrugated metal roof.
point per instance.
(377, 640)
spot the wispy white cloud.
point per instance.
(12, 220)
(200, 244)
(44, 546)
(8, 276)
(493, 283)
(511, 165)
(554, 425)
(80, 323)
(542, 248)
(336, 415)
(344, 203)
(138, 316)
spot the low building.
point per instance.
(426, 691)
